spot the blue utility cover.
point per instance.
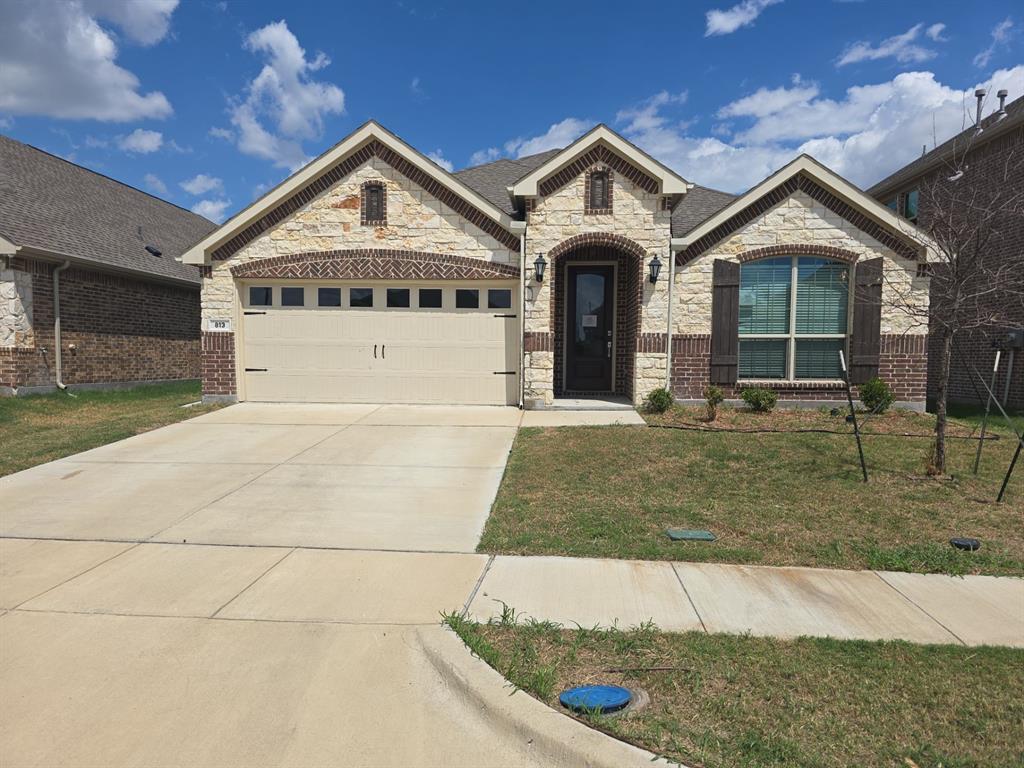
(683, 534)
(596, 698)
(968, 545)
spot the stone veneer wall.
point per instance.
(416, 221)
(799, 219)
(15, 308)
(122, 329)
(636, 215)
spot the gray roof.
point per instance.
(991, 128)
(697, 206)
(491, 180)
(53, 205)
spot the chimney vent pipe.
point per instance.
(980, 96)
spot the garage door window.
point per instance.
(467, 298)
(293, 297)
(430, 298)
(499, 298)
(329, 297)
(398, 297)
(261, 296)
(360, 297)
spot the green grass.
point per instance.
(739, 701)
(773, 499)
(41, 428)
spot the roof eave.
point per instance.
(46, 254)
(370, 131)
(670, 182)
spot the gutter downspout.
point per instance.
(56, 328)
(522, 319)
(668, 330)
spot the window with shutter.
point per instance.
(598, 192)
(374, 212)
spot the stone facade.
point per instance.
(644, 226)
(114, 329)
(15, 308)
(800, 220)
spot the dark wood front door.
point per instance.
(589, 328)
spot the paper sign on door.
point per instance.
(590, 321)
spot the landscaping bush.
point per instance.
(759, 399)
(658, 401)
(876, 395)
(714, 398)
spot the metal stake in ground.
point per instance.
(853, 415)
(988, 407)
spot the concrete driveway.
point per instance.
(336, 476)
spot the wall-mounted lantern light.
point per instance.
(538, 268)
(655, 266)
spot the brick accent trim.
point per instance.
(383, 220)
(598, 238)
(588, 209)
(328, 179)
(799, 249)
(805, 184)
(597, 155)
(373, 264)
(218, 363)
(538, 341)
(653, 343)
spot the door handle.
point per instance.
(609, 349)
(374, 351)
(381, 351)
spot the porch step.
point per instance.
(590, 404)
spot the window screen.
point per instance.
(822, 290)
(764, 296)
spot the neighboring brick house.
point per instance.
(128, 310)
(372, 275)
(982, 157)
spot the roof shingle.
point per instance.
(54, 205)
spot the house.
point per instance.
(374, 275)
(91, 293)
(981, 157)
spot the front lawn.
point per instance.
(773, 498)
(41, 428)
(724, 701)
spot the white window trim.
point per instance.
(792, 336)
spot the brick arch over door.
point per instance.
(373, 264)
(801, 249)
(629, 258)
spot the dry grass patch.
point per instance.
(41, 428)
(771, 498)
(728, 701)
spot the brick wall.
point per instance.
(985, 161)
(218, 364)
(113, 329)
(902, 364)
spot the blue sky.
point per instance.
(208, 104)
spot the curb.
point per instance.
(554, 738)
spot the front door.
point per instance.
(590, 325)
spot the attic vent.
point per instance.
(155, 251)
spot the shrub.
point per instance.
(714, 398)
(658, 401)
(876, 395)
(759, 399)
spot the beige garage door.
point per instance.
(451, 343)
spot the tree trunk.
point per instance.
(945, 355)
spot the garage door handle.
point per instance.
(381, 351)
(248, 370)
(255, 313)
(506, 315)
(374, 351)
(504, 373)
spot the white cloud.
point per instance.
(141, 142)
(728, 20)
(770, 101)
(1001, 35)
(222, 133)
(865, 135)
(201, 184)
(560, 134)
(438, 157)
(155, 183)
(416, 89)
(6, 122)
(934, 32)
(93, 142)
(56, 60)
(482, 156)
(285, 97)
(899, 47)
(213, 210)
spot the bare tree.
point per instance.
(972, 209)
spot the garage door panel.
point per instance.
(380, 355)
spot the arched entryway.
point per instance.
(596, 280)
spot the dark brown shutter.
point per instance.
(599, 190)
(725, 321)
(866, 338)
(373, 203)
